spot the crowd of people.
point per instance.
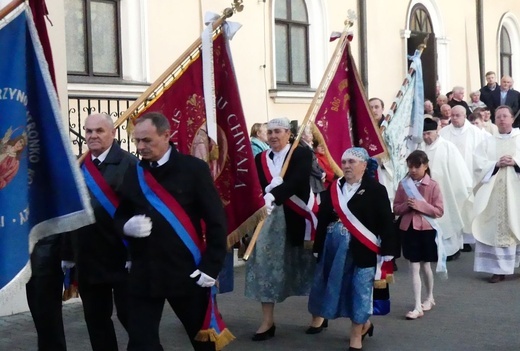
(149, 246)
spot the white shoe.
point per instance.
(428, 304)
(411, 315)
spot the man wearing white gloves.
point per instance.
(166, 198)
(98, 250)
(279, 266)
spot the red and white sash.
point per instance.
(306, 210)
(358, 230)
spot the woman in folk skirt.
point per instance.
(354, 222)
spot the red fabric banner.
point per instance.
(231, 162)
(344, 118)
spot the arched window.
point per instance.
(420, 28)
(420, 20)
(505, 53)
(292, 43)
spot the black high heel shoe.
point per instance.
(268, 334)
(370, 331)
(317, 330)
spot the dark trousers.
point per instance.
(44, 293)
(145, 316)
(98, 308)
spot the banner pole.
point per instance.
(411, 71)
(228, 12)
(10, 7)
(309, 117)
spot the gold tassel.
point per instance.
(319, 138)
(380, 284)
(390, 278)
(308, 244)
(220, 341)
(246, 227)
(70, 293)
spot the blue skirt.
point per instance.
(340, 289)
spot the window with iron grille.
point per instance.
(292, 43)
(93, 40)
(505, 53)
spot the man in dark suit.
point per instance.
(97, 250)
(487, 90)
(458, 99)
(506, 95)
(166, 261)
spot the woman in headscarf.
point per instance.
(355, 233)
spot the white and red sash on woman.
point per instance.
(357, 229)
(306, 210)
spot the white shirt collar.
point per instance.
(165, 157)
(103, 156)
(279, 156)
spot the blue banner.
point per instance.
(41, 188)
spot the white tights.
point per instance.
(415, 268)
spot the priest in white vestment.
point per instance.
(463, 134)
(448, 169)
(496, 223)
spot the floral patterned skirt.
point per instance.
(341, 289)
(276, 270)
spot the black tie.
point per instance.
(96, 162)
(271, 155)
(154, 164)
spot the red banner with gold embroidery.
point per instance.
(231, 162)
(344, 119)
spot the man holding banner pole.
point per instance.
(165, 200)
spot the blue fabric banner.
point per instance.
(41, 188)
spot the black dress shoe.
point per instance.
(268, 334)
(466, 248)
(369, 332)
(495, 278)
(317, 330)
(454, 256)
(354, 349)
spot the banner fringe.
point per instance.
(247, 227)
(221, 340)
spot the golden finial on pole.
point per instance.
(236, 6)
(351, 17)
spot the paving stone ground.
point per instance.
(471, 314)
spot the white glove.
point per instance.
(274, 183)
(387, 258)
(204, 281)
(128, 266)
(315, 254)
(67, 265)
(269, 199)
(138, 226)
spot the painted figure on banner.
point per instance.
(11, 149)
(203, 146)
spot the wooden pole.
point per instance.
(10, 7)
(309, 117)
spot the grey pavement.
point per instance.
(471, 314)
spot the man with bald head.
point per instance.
(463, 134)
(98, 252)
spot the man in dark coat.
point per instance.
(98, 250)
(506, 95)
(164, 265)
